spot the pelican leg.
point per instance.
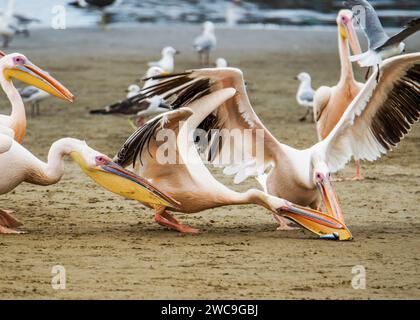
(165, 219)
(8, 222)
(358, 176)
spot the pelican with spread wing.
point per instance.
(297, 181)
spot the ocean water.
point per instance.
(252, 13)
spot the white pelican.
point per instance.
(331, 102)
(381, 46)
(167, 62)
(18, 165)
(221, 63)
(377, 119)
(305, 94)
(205, 42)
(19, 67)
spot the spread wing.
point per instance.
(412, 27)
(380, 116)
(239, 153)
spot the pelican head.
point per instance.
(346, 30)
(17, 66)
(169, 51)
(101, 169)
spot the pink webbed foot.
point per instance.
(8, 222)
(167, 220)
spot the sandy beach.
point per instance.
(112, 248)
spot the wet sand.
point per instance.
(112, 248)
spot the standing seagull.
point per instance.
(381, 46)
(167, 62)
(305, 94)
(205, 42)
(33, 96)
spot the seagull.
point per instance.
(6, 27)
(132, 90)
(305, 94)
(205, 42)
(135, 103)
(221, 63)
(18, 23)
(33, 96)
(167, 62)
(381, 46)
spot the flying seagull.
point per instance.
(381, 46)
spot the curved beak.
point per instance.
(32, 75)
(125, 183)
(177, 52)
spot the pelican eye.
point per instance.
(18, 60)
(100, 160)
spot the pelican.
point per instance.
(305, 94)
(17, 66)
(381, 46)
(298, 181)
(205, 42)
(331, 102)
(18, 165)
(167, 62)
